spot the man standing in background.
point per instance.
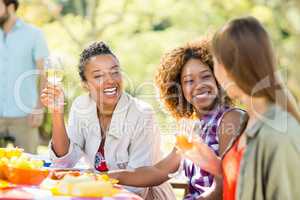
(22, 53)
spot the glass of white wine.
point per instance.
(54, 70)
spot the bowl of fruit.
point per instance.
(5, 155)
(25, 171)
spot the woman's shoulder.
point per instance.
(229, 115)
(278, 131)
(84, 98)
(138, 106)
(280, 125)
(231, 124)
(83, 104)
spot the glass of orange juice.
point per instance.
(188, 129)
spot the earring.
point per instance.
(239, 104)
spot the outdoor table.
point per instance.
(27, 192)
(34, 193)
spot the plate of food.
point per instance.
(81, 184)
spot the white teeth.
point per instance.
(205, 94)
(110, 91)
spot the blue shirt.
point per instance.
(19, 50)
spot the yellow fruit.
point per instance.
(13, 152)
(106, 178)
(3, 184)
(37, 164)
(2, 152)
(23, 165)
(85, 186)
(24, 157)
(93, 189)
(13, 161)
(67, 183)
(4, 161)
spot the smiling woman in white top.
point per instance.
(107, 126)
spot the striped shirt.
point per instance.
(200, 180)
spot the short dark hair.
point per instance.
(15, 2)
(96, 48)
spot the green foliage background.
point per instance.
(140, 31)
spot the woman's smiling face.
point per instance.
(104, 79)
(199, 85)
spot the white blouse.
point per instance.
(133, 139)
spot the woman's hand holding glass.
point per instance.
(191, 146)
(52, 96)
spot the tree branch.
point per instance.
(55, 11)
(92, 16)
(119, 16)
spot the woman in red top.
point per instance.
(245, 67)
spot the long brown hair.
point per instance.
(244, 48)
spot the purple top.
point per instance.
(200, 180)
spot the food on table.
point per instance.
(4, 161)
(59, 174)
(17, 167)
(24, 162)
(66, 185)
(10, 152)
(4, 184)
(5, 155)
(3, 166)
(83, 185)
(94, 189)
(26, 176)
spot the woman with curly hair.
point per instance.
(189, 89)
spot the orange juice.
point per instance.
(183, 143)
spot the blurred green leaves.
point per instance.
(140, 31)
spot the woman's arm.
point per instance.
(150, 175)
(232, 124)
(144, 152)
(52, 97)
(60, 139)
(65, 148)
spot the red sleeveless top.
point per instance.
(231, 168)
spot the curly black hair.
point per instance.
(167, 77)
(96, 48)
(15, 2)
